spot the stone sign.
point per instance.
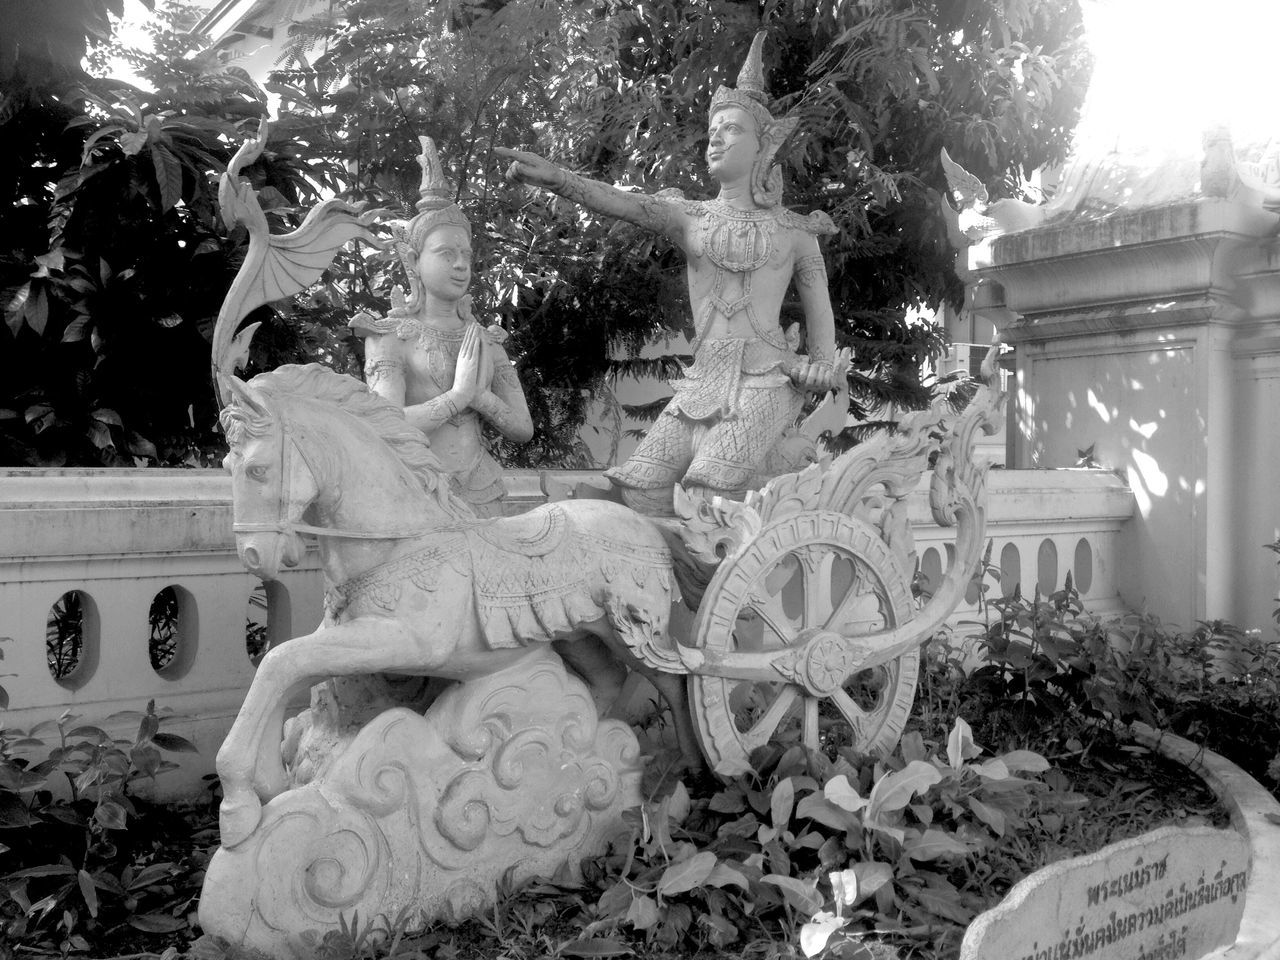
(1172, 894)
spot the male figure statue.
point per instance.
(746, 384)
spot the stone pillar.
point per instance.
(1151, 335)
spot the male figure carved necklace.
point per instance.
(738, 242)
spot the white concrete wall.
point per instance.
(121, 536)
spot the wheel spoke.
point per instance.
(770, 612)
(763, 728)
(858, 718)
(847, 607)
(816, 564)
(810, 721)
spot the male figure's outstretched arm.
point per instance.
(651, 213)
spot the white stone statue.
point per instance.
(805, 620)
(430, 355)
(747, 383)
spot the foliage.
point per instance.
(114, 262)
(1053, 673)
(93, 859)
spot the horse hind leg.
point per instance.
(587, 657)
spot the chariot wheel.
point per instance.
(809, 574)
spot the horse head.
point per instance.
(314, 451)
(272, 483)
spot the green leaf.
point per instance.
(842, 793)
(729, 801)
(781, 802)
(871, 877)
(993, 769)
(991, 816)
(48, 870)
(36, 311)
(683, 876)
(960, 745)
(159, 923)
(803, 896)
(174, 743)
(816, 807)
(131, 143)
(168, 176)
(724, 875)
(88, 891)
(643, 912)
(678, 804)
(15, 309)
(111, 815)
(595, 947)
(1024, 761)
(895, 790)
(13, 812)
(934, 844)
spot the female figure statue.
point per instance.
(431, 356)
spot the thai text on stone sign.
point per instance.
(1081, 941)
(1135, 879)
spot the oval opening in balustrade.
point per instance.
(172, 620)
(930, 570)
(71, 639)
(1082, 569)
(1010, 569)
(267, 619)
(1047, 568)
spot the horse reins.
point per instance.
(283, 525)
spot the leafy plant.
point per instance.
(93, 858)
(1052, 672)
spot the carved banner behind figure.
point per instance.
(1172, 894)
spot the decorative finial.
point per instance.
(434, 190)
(751, 76)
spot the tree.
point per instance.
(619, 91)
(114, 261)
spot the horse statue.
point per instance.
(420, 585)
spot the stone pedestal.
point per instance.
(508, 775)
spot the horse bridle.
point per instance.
(283, 525)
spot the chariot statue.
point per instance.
(762, 608)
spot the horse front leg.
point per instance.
(249, 762)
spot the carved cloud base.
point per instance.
(509, 772)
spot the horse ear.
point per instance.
(240, 392)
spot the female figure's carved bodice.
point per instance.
(416, 363)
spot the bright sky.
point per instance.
(1168, 69)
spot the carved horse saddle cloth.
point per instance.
(533, 534)
(540, 575)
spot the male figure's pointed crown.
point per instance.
(749, 94)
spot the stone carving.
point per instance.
(428, 812)
(976, 218)
(747, 383)
(396, 791)
(419, 585)
(431, 356)
(274, 267)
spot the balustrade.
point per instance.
(163, 608)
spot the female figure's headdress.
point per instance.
(435, 209)
(749, 94)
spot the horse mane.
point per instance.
(314, 381)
